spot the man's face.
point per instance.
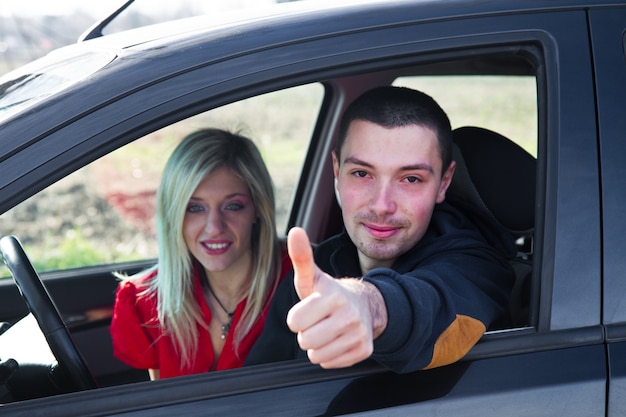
(388, 182)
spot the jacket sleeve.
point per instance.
(132, 343)
(440, 309)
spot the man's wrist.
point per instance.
(374, 301)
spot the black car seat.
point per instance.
(499, 176)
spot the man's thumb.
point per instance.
(304, 267)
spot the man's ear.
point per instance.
(445, 182)
(336, 173)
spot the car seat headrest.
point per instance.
(497, 175)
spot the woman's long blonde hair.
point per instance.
(198, 155)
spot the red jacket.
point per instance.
(138, 339)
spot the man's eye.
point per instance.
(412, 179)
(360, 174)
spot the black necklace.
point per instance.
(225, 326)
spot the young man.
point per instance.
(419, 282)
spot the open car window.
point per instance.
(104, 212)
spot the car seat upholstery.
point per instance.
(497, 175)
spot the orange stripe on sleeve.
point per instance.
(456, 341)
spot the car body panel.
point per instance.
(313, 391)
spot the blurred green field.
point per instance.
(507, 105)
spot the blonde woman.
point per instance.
(204, 304)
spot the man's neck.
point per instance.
(367, 264)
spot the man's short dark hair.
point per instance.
(392, 107)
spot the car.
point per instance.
(535, 90)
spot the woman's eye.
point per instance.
(234, 206)
(195, 208)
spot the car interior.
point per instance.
(496, 170)
(499, 176)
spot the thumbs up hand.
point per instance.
(333, 320)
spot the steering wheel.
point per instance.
(46, 313)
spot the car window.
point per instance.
(505, 104)
(104, 212)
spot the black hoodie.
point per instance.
(440, 296)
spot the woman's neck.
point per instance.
(230, 285)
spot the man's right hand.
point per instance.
(333, 320)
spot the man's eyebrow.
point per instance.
(357, 161)
(419, 167)
(415, 167)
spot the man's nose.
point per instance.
(382, 200)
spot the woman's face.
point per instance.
(217, 227)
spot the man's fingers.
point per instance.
(304, 267)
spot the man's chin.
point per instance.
(379, 252)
